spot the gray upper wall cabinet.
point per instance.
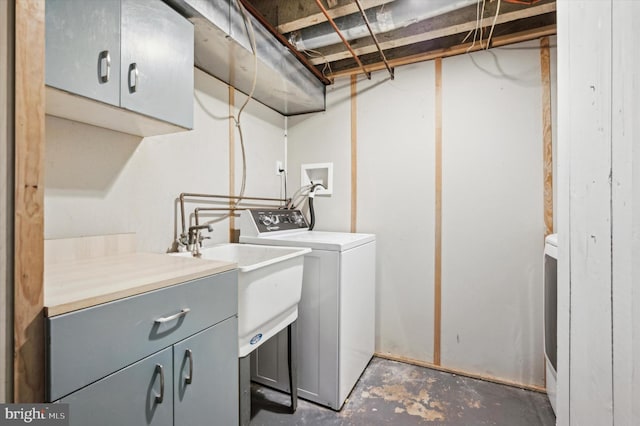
(157, 62)
(128, 54)
(83, 48)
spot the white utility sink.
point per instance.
(269, 288)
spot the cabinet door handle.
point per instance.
(160, 371)
(189, 356)
(104, 66)
(133, 78)
(180, 314)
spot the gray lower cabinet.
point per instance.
(165, 357)
(206, 377)
(140, 394)
(193, 383)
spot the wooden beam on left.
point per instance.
(29, 202)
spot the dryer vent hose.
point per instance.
(312, 214)
(312, 194)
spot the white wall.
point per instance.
(396, 192)
(493, 229)
(493, 226)
(103, 182)
(625, 206)
(599, 193)
(325, 137)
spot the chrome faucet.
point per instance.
(194, 238)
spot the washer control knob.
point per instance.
(297, 218)
(265, 220)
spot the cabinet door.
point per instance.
(206, 376)
(127, 397)
(83, 48)
(157, 62)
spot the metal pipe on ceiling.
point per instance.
(375, 39)
(344, 40)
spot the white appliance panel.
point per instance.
(357, 314)
(320, 240)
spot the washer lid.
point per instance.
(319, 240)
(551, 246)
(552, 239)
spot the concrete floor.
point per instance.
(394, 393)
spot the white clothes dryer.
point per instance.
(551, 315)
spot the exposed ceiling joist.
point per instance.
(406, 30)
(415, 35)
(454, 50)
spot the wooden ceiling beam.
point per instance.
(418, 37)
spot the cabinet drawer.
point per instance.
(86, 345)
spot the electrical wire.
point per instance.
(236, 118)
(284, 174)
(480, 24)
(283, 185)
(475, 30)
(327, 66)
(252, 40)
(495, 18)
(296, 195)
(479, 28)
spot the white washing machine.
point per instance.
(336, 314)
(550, 328)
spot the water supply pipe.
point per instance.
(185, 234)
(375, 39)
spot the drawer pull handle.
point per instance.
(133, 77)
(160, 371)
(189, 355)
(180, 314)
(104, 66)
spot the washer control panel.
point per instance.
(278, 220)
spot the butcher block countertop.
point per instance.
(73, 284)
